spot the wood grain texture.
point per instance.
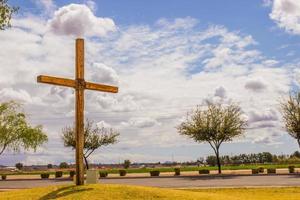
(101, 87)
(56, 81)
(79, 110)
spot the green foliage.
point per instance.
(103, 174)
(203, 171)
(291, 169)
(122, 172)
(177, 171)
(19, 166)
(291, 115)
(94, 138)
(15, 132)
(126, 164)
(215, 125)
(58, 174)
(154, 173)
(45, 175)
(211, 160)
(271, 171)
(49, 166)
(72, 173)
(3, 177)
(6, 12)
(63, 165)
(260, 169)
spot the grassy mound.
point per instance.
(118, 192)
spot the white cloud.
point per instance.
(104, 74)
(140, 122)
(255, 85)
(78, 20)
(286, 14)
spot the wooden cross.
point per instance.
(79, 84)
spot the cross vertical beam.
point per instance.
(79, 108)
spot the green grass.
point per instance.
(121, 192)
(168, 169)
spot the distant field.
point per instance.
(118, 192)
(167, 169)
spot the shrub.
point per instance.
(45, 175)
(261, 170)
(3, 177)
(177, 171)
(271, 171)
(58, 174)
(103, 173)
(154, 173)
(19, 166)
(291, 169)
(255, 171)
(122, 172)
(203, 171)
(72, 173)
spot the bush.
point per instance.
(255, 171)
(154, 173)
(3, 177)
(261, 170)
(58, 174)
(203, 171)
(72, 173)
(19, 166)
(291, 169)
(45, 175)
(103, 173)
(271, 171)
(177, 171)
(122, 172)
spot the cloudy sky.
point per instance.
(166, 57)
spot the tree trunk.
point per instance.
(218, 162)
(86, 162)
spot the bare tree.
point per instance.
(215, 125)
(94, 138)
(6, 12)
(290, 110)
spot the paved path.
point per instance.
(174, 182)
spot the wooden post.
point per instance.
(79, 108)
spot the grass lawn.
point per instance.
(118, 192)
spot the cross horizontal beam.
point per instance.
(72, 83)
(56, 81)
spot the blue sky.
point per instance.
(166, 57)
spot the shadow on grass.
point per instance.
(63, 192)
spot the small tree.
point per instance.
(94, 138)
(291, 115)
(15, 132)
(215, 125)
(6, 12)
(49, 166)
(126, 164)
(63, 165)
(19, 166)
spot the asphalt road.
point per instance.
(175, 182)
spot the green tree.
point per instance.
(15, 132)
(126, 164)
(19, 166)
(49, 166)
(94, 138)
(63, 165)
(290, 110)
(215, 125)
(6, 12)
